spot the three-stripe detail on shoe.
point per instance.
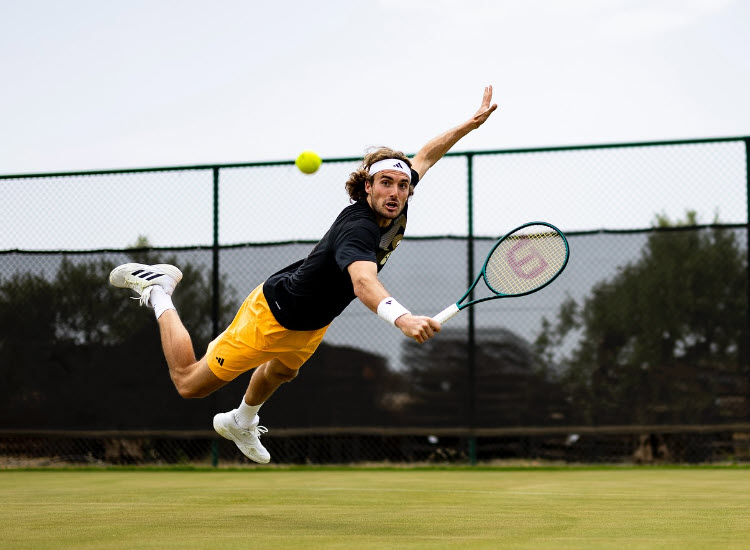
(148, 275)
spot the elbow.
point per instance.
(360, 287)
(364, 278)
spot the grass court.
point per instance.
(363, 508)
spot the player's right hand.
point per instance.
(419, 327)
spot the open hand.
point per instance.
(486, 109)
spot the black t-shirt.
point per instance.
(310, 293)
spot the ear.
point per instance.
(368, 186)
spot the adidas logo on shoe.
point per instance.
(141, 278)
(147, 275)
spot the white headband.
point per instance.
(390, 164)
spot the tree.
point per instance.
(512, 387)
(666, 339)
(74, 353)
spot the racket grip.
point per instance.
(446, 314)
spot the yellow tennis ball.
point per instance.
(308, 162)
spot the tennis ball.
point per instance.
(308, 162)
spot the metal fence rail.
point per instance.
(574, 445)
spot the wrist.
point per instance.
(395, 323)
(390, 310)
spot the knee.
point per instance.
(190, 392)
(190, 389)
(283, 373)
(196, 381)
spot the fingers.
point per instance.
(426, 329)
(487, 96)
(487, 107)
(418, 327)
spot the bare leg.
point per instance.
(191, 378)
(266, 379)
(241, 425)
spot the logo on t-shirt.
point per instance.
(391, 239)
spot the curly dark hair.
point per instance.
(355, 185)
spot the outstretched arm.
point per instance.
(371, 292)
(434, 149)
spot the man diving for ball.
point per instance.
(283, 320)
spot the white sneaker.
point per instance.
(246, 439)
(142, 278)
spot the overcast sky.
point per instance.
(97, 85)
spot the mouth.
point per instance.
(392, 206)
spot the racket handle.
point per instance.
(446, 314)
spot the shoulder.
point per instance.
(359, 212)
(357, 218)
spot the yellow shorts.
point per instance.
(255, 337)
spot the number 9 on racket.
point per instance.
(525, 260)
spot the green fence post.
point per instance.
(215, 260)
(471, 391)
(215, 298)
(214, 453)
(747, 220)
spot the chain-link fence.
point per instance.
(637, 352)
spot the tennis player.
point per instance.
(282, 322)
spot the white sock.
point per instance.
(246, 415)
(160, 300)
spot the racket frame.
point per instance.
(452, 309)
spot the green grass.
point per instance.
(555, 508)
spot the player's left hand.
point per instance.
(486, 109)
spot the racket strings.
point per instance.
(524, 262)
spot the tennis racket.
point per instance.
(525, 260)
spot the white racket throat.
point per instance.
(446, 314)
